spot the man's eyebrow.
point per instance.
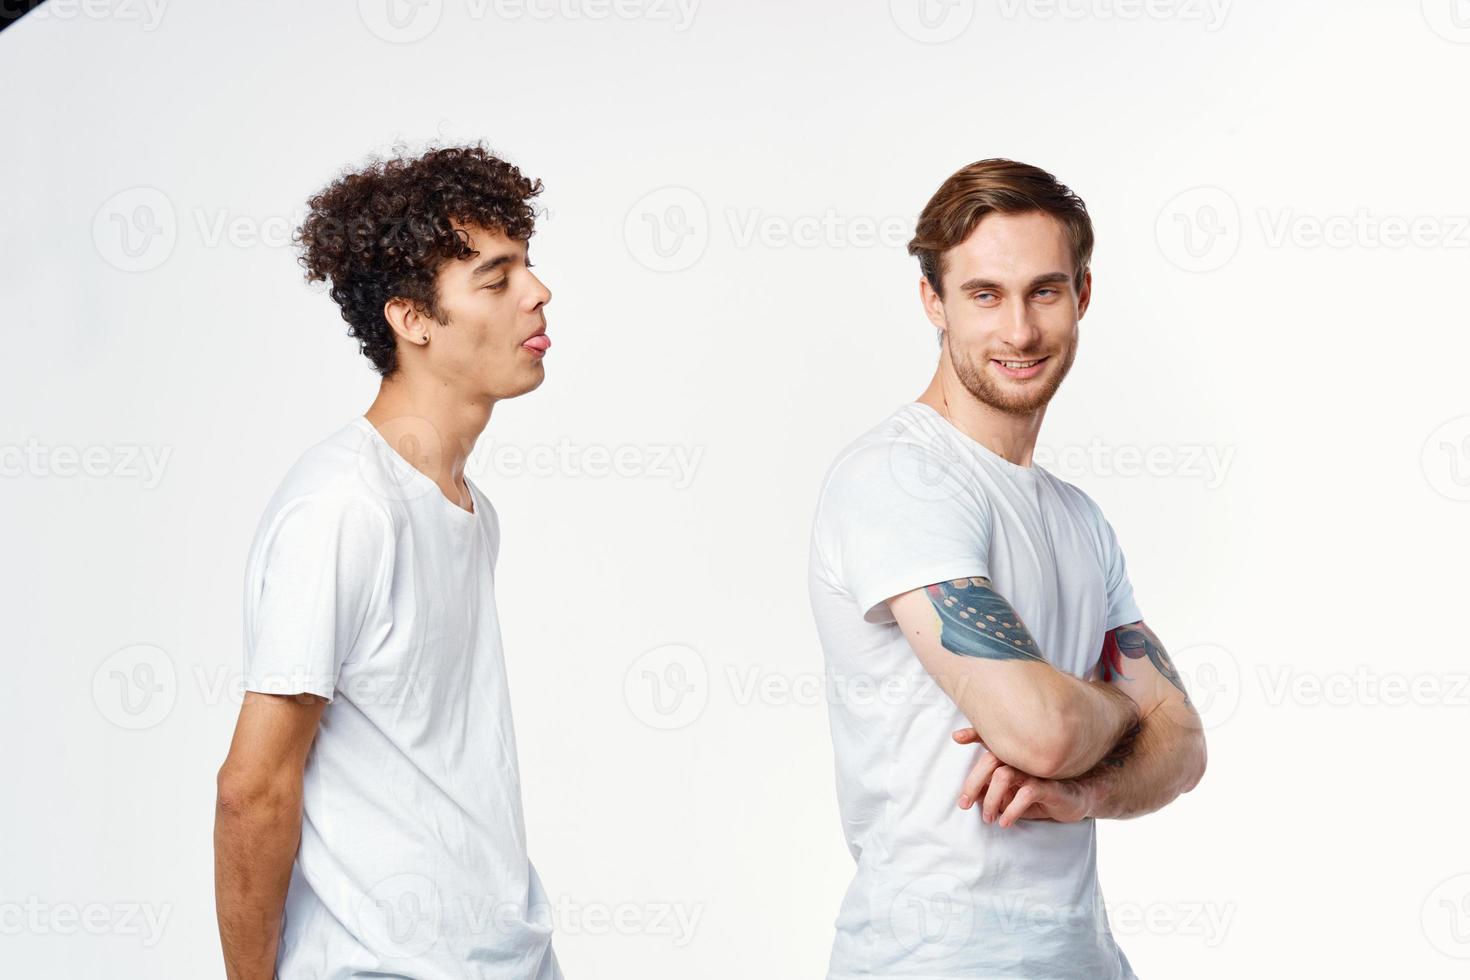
(491, 264)
(971, 285)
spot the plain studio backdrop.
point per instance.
(1269, 403)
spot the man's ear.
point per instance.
(1085, 296)
(406, 319)
(933, 305)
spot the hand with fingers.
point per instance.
(1006, 794)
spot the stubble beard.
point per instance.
(1024, 401)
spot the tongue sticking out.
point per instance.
(539, 342)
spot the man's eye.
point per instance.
(985, 297)
(497, 286)
(1046, 292)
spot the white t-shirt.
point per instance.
(367, 586)
(938, 893)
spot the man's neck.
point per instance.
(435, 430)
(1009, 436)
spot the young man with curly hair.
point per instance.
(990, 597)
(369, 811)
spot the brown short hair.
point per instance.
(996, 185)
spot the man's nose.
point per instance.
(540, 295)
(1020, 329)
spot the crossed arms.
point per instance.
(1124, 742)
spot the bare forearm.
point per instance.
(1166, 757)
(254, 845)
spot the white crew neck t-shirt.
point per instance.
(937, 892)
(367, 586)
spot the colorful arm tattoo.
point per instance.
(1136, 641)
(975, 622)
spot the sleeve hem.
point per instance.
(1128, 614)
(290, 685)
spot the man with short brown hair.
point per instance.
(990, 597)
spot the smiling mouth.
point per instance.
(1020, 369)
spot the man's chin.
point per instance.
(521, 385)
(533, 381)
(1015, 396)
(1024, 404)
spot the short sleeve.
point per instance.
(897, 516)
(1122, 608)
(323, 565)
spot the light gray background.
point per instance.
(1269, 403)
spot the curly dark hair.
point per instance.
(384, 231)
